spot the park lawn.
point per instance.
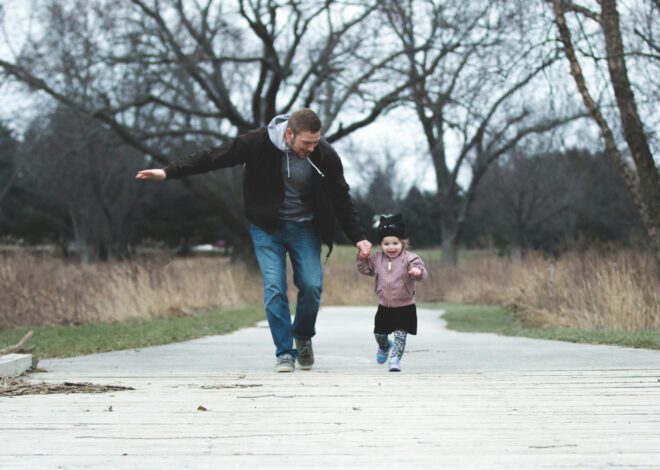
(77, 340)
(492, 319)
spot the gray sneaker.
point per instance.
(285, 363)
(305, 353)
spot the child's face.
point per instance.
(391, 246)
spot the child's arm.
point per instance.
(366, 265)
(416, 268)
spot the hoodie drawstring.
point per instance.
(288, 171)
(315, 167)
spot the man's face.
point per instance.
(303, 143)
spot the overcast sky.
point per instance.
(397, 133)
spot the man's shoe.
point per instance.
(285, 363)
(381, 355)
(305, 353)
(395, 364)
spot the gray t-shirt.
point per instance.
(297, 177)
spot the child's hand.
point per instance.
(415, 273)
(365, 249)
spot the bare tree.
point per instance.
(532, 194)
(83, 172)
(642, 179)
(381, 195)
(167, 74)
(8, 168)
(467, 72)
(548, 201)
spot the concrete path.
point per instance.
(462, 401)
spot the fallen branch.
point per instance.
(18, 346)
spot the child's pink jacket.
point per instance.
(394, 286)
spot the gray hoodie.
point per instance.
(296, 174)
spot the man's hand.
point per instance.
(415, 273)
(151, 175)
(365, 248)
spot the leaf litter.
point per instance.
(10, 387)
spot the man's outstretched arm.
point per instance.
(230, 153)
(156, 174)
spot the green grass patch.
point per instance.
(77, 340)
(491, 319)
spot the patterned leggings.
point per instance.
(399, 342)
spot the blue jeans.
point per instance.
(302, 242)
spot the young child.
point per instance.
(396, 269)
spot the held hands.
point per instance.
(151, 175)
(365, 249)
(415, 273)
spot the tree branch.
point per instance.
(18, 346)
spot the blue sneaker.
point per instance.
(395, 364)
(381, 355)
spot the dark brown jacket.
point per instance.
(263, 187)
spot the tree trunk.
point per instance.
(633, 129)
(449, 250)
(644, 184)
(450, 233)
(518, 244)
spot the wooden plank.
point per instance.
(540, 419)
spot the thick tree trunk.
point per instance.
(450, 232)
(644, 184)
(449, 250)
(633, 129)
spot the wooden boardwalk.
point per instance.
(177, 418)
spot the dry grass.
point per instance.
(43, 289)
(613, 291)
(616, 290)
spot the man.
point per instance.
(294, 189)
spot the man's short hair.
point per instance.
(304, 120)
